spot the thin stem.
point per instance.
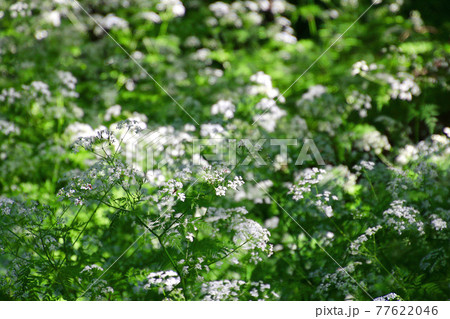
(92, 215)
(370, 183)
(183, 282)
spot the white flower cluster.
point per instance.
(53, 17)
(270, 114)
(356, 244)
(38, 89)
(107, 290)
(286, 36)
(213, 176)
(112, 112)
(8, 128)
(402, 217)
(176, 7)
(389, 297)
(407, 154)
(403, 87)
(308, 178)
(262, 84)
(99, 291)
(151, 16)
(428, 148)
(274, 6)
(212, 130)
(9, 95)
(91, 268)
(88, 140)
(173, 187)
(41, 34)
(313, 92)
(360, 102)
(217, 177)
(248, 234)
(163, 280)
(233, 184)
(339, 280)
(20, 9)
(226, 13)
(70, 82)
(322, 201)
(232, 289)
(367, 165)
(236, 182)
(98, 179)
(110, 21)
(212, 74)
(5, 205)
(373, 140)
(438, 223)
(194, 264)
(77, 130)
(362, 68)
(67, 79)
(202, 55)
(404, 90)
(395, 6)
(193, 42)
(221, 190)
(224, 107)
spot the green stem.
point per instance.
(174, 265)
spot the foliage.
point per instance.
(90, 76)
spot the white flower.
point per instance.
(113, 111)
(438, 223)
(272, 223)
(238, 181)
(263, 85)
(54, 17)
(368, 165)
(224, 107)
(270, 114)
(356, 244)
(181, 196)
(164, 280)
(402, 217)
(220, 9)
(20, 9)
(77, 130)
(91, 267)
(221, 190)
(175, 6)
(41, 34)
(373, 140)
(285, 37)
(308, 178)
(8, 127)
(360, 67)
(111, 21)
(190, 237)
(314, 92)
(211, 130)
(329, 211)
(151, 16)
(68, 79)
(389, 297)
